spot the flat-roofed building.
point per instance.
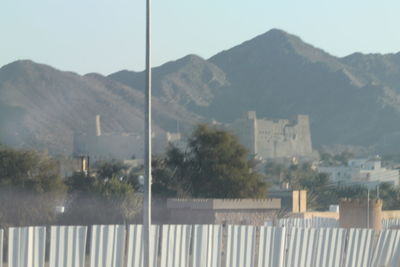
(368, 172)
(222, 211)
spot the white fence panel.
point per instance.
(175, 245)
(271, 249)
(391, 223)
(395, 260)
(387, 249)
(26, 246)
(107, 246)
(314, 222)
(360, 247)
(67, 246)
(240, 246)
(319, 222)
(1, 247)
(207, 245)
(330, 247)
(135, 245)
(300, 246)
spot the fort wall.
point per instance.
(274, 138)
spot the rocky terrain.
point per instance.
(354, 100)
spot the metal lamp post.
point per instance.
(147, 156)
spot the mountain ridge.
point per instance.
(351, 100)
(56, 105)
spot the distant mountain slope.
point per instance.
(351, 100)
(376, 68)
(279, 75)
(52, 105)
(189, 81)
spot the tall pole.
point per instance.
(147, 156)
(377, 191)
(368, 208)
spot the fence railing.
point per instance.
(314, 222)
(391, 223)
(320, 222)
(202, 246)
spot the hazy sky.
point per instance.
(108, 35)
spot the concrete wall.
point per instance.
(245, 217)
(391, 214)
(221, 211)
(321, 214)
(302, 200)
(223, 204)
(354, 213)
(291, 200)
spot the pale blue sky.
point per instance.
(108, 35)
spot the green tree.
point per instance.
(336, 160)
(318, 186)
(111, 169)
(214, 165)
(108, 190)
(30, 186)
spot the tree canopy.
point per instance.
(30, 187)
(214, 165)
(108, 189)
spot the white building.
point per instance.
(368, 172)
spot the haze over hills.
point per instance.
(351, 100)
(45, 107)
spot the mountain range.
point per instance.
(352, 100)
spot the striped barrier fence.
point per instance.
(204, 246)
(26, 246)
(135, 245)
(207, 246)
(107, 247)
(67, 246)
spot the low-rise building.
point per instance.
(222, 211)
(367, 172)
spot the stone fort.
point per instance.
(274, 138)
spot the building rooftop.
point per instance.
(223, 204)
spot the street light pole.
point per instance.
(147, 156)
(368, 208)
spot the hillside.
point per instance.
(45, 107)
(352, 100)
(189, 81)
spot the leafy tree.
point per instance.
(336, 160)
(110, 169)
(215, 165)
(30, 186)
(275, 173)
(390, 195)
(165, 177)
(108, 190)
(319, 190)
